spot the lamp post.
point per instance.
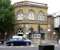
(49, 32)
(39, 31)
(5, 35)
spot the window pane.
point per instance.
(19, 16)
(42, 17)
(31, 16)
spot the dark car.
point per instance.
(18, 42)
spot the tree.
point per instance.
(7, 17)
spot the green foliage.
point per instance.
(7, 17)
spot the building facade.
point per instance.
(57, 25)
(31, 15)
(50, 26)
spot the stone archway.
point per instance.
(18, 28)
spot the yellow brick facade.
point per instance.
(32, 23)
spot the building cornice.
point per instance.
(31, 22)
(31, 4)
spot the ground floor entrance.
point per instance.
(25, 27)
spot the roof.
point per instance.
(30, 3)
(50, 16)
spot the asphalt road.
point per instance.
(4, 47)
(23, 48)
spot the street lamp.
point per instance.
(54, 33)
(49, 30)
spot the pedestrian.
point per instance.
(57, 40)
(30, 34)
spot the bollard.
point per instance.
(46, 47)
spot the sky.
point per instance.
(53, 5)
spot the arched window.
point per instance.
(19, 15)
(31, 15)
(42, 16)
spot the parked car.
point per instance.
(18, 41)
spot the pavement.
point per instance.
(18, 48)
(50, 42)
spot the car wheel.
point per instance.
(11, 44)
